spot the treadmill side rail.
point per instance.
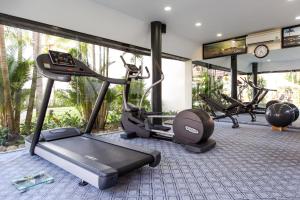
(100, 179)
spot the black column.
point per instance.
(156, 54)
(41, 117)
(254, 77)
(234, 76)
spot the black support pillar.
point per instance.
(157, 28)
(254, 77)
(234, 76)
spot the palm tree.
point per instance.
(36, 51)
(17, 97)
(8, 109)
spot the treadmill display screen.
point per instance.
(63, 59)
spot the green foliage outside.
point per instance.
(53, 120)
(81, 95)
(248, 93)
(3, 135)
(206, 84)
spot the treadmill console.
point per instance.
(57, 65)
(61, 59)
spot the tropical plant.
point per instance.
(4, 132)
(16, 76)
(33, 87)
(52, 120)
(208, 84)
(137, 90)
(261, 82)
(8, 116)
(85, 90)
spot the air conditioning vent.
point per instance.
(263, 37)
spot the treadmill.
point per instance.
(94, 159)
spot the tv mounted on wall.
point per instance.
(291, 36)
(227, 47)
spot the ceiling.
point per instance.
(230, 17)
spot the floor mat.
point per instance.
(250, 162)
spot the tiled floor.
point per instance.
(251, 162)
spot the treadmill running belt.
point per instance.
(117, 157)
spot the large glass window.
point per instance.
(22, 88)
(71, 103)
(287, 86)
(210, 82)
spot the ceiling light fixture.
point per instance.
(269, 60)
(219, 35)
(168, 8)
(198, 24)
(298, 17)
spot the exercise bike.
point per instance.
(192, 128)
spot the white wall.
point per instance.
(90, 17)
(177, 85)
(280, 65)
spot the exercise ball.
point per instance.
(280, 115)
(296, 110)
(192, 126)
(271, 102)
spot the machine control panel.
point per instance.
(59, 66)
(64, 63)
(61, 59)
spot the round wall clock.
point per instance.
(261, 51)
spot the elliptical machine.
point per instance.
(192, 128)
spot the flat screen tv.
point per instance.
(291, 36)
(227, 47)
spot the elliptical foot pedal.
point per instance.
(82, 183)
(128, 135)
(160, 127)
(235, 126)
(202, 147)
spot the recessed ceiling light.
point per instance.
(219, 35)
(269, 60)
(197, 24)
(298, 17)
(290, 0)
(168, 8)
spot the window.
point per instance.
(210, 82)
(70, 103)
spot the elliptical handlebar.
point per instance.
(134, 71)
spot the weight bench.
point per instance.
(216, 106)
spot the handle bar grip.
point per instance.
(147, 70)
(123, 60)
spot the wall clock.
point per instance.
(261, 51)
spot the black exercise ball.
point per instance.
(280, 115)
(192, 126)
(271, 102)
(296, 110)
